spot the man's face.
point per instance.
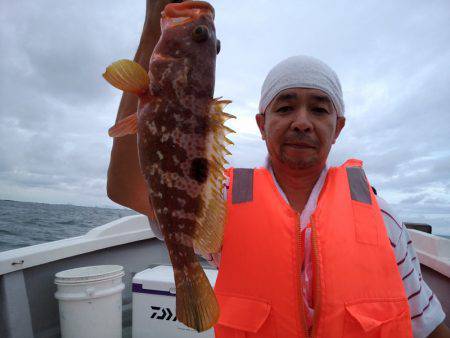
(299, 127)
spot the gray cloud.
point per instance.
(392, 59)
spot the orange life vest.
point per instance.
(358, 290)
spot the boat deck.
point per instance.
(28, 307)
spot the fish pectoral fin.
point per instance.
(128, 76)
(208, 236)
(127, 126)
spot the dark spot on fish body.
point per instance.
(199, 169)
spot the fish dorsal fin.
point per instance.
(124, 127)
(210, 227)
(128, 76)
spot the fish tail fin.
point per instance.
(197, 305)
(128, 76)
(127, 126)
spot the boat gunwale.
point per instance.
(122, 231)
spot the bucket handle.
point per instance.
(90, 293)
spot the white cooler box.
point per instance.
(154, 305)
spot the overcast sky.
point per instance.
(393, 59)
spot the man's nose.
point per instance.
(302, 121)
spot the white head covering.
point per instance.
(302, 72)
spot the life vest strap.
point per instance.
(242, 187)
(359, 187)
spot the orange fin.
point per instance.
(124, 127)
(196, 304)
(209, 230)
(128, 76)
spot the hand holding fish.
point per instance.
(181, 140)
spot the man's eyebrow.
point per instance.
(322, 99)
(286, 97)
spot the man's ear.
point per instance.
(340, 123)
(260, 121)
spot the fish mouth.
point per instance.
(176, 14)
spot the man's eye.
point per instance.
(319, 111)
(284, 109)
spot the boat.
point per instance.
(28, 307)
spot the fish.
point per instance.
(182, 145)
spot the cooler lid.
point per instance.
(160, 278)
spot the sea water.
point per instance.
(24, 223)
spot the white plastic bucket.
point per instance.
(90, 301)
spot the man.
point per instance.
(307, 249)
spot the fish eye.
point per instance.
(218, 46)
(200, 33)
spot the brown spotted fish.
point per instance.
(182, 138)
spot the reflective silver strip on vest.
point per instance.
(242, 186)
(359, 187)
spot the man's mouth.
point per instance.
(301, 145)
